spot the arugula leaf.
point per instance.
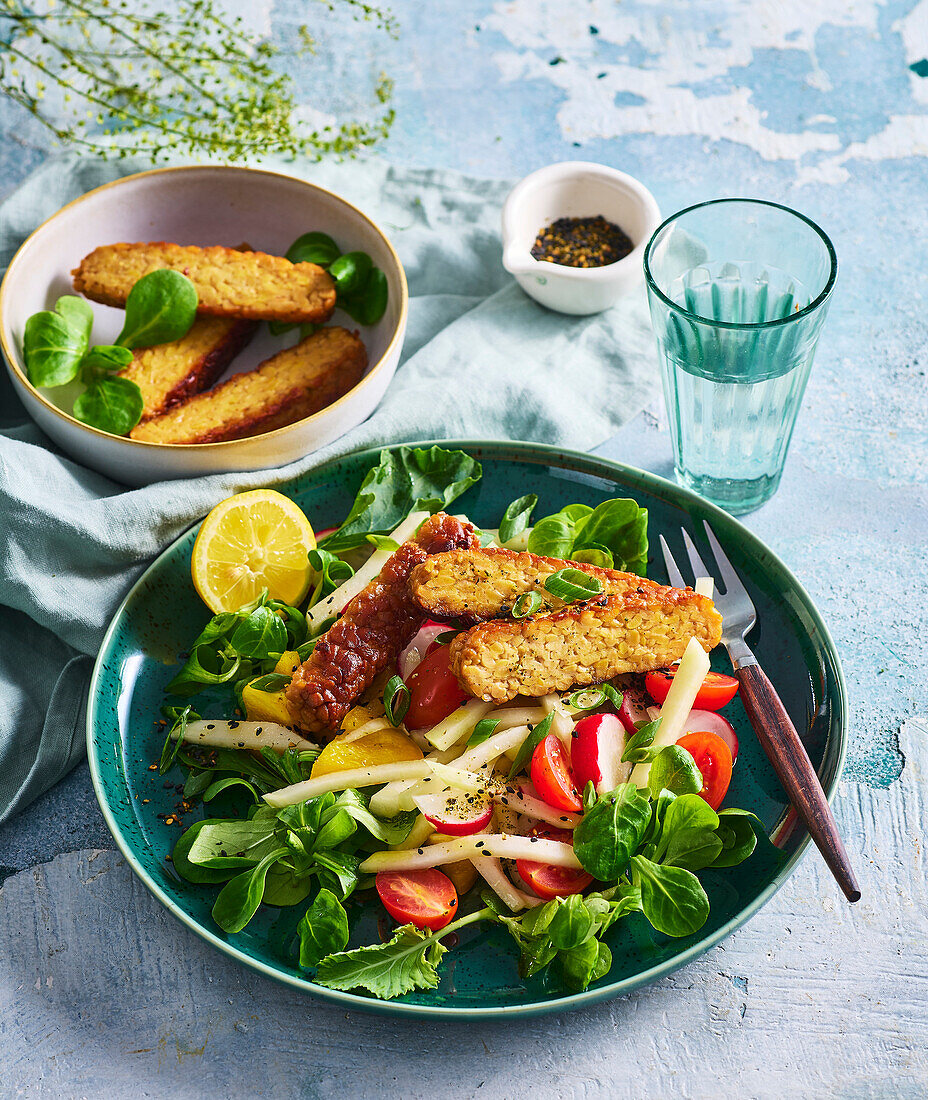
(674, 770)
(672, 898)
(409, 961)
(323, 929)
(534, 738)
(239, 899)
(405, 480)
(610, 832)
(517, 517)
(615, 532)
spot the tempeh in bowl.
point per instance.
(272, 368)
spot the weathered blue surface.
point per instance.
(818, 105)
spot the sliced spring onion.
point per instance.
(396, 700)
(535, 737)
(571, 585)
(501, 845)
(527, 604)
(704, 586)
(483, 731)
(383, 542)
(592, 698)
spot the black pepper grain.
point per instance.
(581, 242)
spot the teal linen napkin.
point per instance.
(481, 360)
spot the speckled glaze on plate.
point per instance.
(162, 613)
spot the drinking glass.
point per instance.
(738, 290)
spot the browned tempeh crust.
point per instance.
(289, 386)
(168, 374)
(589, 644)
(374, 627)
(252, 286)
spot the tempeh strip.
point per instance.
(253, 286)
(501, 659)
(476, 585)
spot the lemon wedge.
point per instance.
(249, 542)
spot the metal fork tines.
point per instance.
(768, 716)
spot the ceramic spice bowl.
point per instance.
(571, 190)
(201, 205)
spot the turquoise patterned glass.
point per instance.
(738, 290)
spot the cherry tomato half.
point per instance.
(552, 777)
(426, 898)
(552, 882)
(713, 758)
(717, 689)
(434, 690)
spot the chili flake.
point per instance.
(581, 242)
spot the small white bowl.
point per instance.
(576, 189)
(196, 205)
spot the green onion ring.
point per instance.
(527, 604)
(395, 700)
(572, 585)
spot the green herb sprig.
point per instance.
(195, 82)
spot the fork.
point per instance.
(768, 716)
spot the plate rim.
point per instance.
(541, 453)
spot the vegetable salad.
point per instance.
(552, 817)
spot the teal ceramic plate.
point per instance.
(162, 613)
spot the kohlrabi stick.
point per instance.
(335, 602)
(687, 681)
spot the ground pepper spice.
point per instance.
(581, 242)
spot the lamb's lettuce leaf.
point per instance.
(614, 534)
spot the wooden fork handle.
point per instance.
(791, 762)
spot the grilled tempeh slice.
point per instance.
(584, 644)
(372, 631)
(285, 388)
(168, 374)
(250, 286)
(475, 585)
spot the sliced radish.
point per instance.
(707, 721)
(596, 752)
(325, 532)
(456, 815)
(413, 655)
(635, 703)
